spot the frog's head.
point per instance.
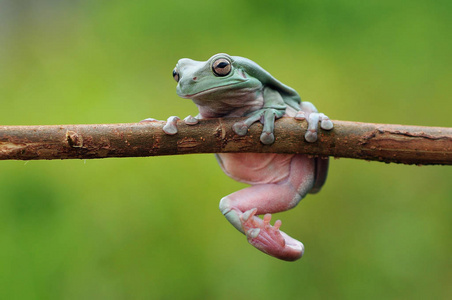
(197, 79)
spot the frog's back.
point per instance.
(291, 97)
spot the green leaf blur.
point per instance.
(150, 228)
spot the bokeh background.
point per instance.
(150, 228)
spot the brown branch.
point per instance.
(380, 142)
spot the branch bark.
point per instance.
(380, 142)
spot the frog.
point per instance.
(227, 86)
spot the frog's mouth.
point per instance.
(208, 91)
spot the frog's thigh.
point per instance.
(274, 197)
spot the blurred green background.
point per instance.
(150, 228)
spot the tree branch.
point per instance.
(380, 142)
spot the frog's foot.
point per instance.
(313, 120)
(266, 116)
(269, 239)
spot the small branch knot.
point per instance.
(74, 139)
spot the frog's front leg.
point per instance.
(170, 127)
(309, 113)
(240, 209)
(274, 108)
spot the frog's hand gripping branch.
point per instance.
(274, 108)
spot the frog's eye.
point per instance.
(221, 67)
(176, 74)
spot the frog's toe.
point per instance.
(170, 129)
(293, 249)
(311, 136)
(325, 122)
(190, 120)
(267, 138)
(171, 126)
(248, 214)
(241, 128)
(301, 115)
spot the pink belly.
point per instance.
(256, 168)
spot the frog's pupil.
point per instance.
(176, 75)
(222, 65)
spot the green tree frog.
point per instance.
(232, 86)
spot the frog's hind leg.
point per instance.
(241, 208)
